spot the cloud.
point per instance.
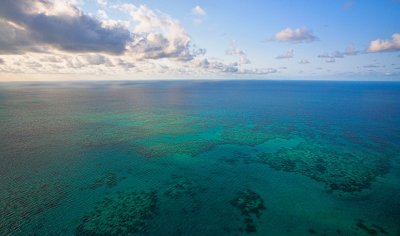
(102, 3)
(259, 71)
(299, 35)
(331, 57)
(380, 45)
(200, 15)
(234, 50)
(2, 61)
(289, 54)
(304, 61)
(335, 54)
(198, 11)
(44, 24)
(157, 35)
(217, 66)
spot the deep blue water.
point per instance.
(200, 158)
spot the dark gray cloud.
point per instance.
(22, 28)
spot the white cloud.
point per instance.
(299, 35)
(102, 3)
(200, 15)
(287, 55)
(198, 11)
(304, 61)
(380, 45)
(157, 35)
(234, 50)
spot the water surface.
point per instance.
(200, 158)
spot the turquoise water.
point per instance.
(200, 158)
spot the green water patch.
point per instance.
(343, 169)
(121, 213)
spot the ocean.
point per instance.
(200, 158)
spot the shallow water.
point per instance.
(200, 158)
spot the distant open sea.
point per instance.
(200, 158)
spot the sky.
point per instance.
(176, 39)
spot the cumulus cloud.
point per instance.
(48, 25)
(234, 50)
(198, 11)
(381, 45)
(157, 35)
(45, 23)
(299, 35)
(287, 55)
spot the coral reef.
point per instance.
(192, 148)
(343, 169)
(250, 204)
(121, 213)
(109, 180)
(180, 186)
(243, 135)
(373, 230)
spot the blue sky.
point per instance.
(117, 39)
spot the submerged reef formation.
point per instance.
(19, 204)
(122, 213)
(374, 229)
(109, 180)
(192, 148)
(243, 135)
(343, 169)
(251, 205)
(181, 186)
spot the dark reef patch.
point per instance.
(109, 180)
(122, 213)
(374, 229)
(181, 186)
(342, 169)
(251, 205)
